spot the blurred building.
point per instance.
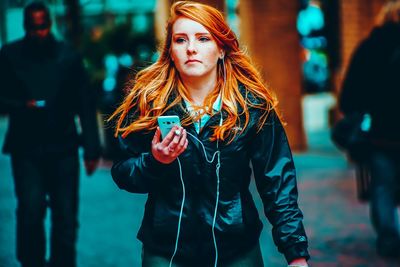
(301, 47)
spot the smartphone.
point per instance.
(166, 123)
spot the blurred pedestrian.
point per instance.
(43, 87)
(372, 86)
(199, 210)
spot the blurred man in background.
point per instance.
(43, 87)
(372, 86)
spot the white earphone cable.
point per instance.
(218, 155)
(180, 214)
(216, 209)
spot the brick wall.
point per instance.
(268, 29)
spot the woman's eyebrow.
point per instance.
(197, 33)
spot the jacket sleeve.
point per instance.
(275, 178)
(9, 100)
(87, 113)
(137, 170)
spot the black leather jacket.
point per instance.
(237, 225)
(372, 83)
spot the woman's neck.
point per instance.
(199, 88)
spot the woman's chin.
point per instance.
(194, 74)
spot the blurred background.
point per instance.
(302, 48)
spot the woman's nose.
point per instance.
(191, 48)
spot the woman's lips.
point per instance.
(192, 61)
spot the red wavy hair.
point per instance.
(389, 13)
(152, 87)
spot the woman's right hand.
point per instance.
(168, 149)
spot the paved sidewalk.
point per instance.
(337, 224)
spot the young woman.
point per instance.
(199, 210)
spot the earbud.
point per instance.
(222, 54)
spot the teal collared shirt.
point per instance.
(203, 120)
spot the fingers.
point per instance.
(183, 143)
(155, 143)
(176, 139)
(156, 137)
(170, 136)
(171, 146)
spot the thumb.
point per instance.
(156, 137)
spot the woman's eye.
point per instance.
(179, 40)
(204, 39)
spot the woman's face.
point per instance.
(193, 50)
